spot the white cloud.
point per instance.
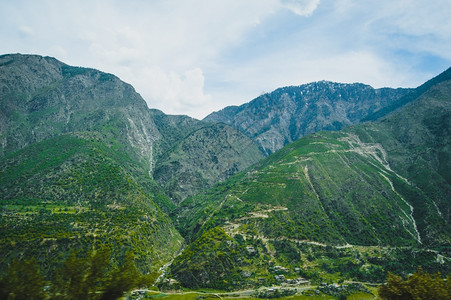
(164, 47)
(192, 57)
(184, 92)
(347, 67)
(25, 31)
(303, 8)
(175, 93)
(415, 26)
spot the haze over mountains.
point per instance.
(84, 162)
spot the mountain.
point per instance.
(368, 199)
(42, 98)
(87, 168)
(84, 162)
(275, 119)
(208, 155)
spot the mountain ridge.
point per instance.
(275, 119)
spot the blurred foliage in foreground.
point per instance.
(91, 276)
(420, 285)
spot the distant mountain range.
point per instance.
(324, 181)
(278, 118)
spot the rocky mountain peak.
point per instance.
(275, 119)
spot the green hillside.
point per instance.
(417, 145)
(321, 189)
(94, 183)
(382, 185)
(73, 193)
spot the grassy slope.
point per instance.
(71, 193)
(417, 142)
(378, 184)
(319, 188)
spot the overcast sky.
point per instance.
(196, 56)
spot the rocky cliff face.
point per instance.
(42, 97)
(273, 120)
(207, 155)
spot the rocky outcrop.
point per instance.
(42, 98)
(207, 155)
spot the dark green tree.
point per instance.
(70, 280)
(96, 275)
(82, 277)
(122, 279)
(420, 285)
(22, 280)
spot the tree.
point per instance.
(420, 285)
(91, 276)
(395, 288)
(83, 277)
(69, 281)
(23, 280)
(99, 263)
(122, 279)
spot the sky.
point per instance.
(193, 57)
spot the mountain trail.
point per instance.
(231, 227)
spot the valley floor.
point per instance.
(296, 293)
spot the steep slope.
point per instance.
(72, 193)
(328, 187)
(193, 155)
(417, 142)
(41, 97)
(275, 119)
(378, 192)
